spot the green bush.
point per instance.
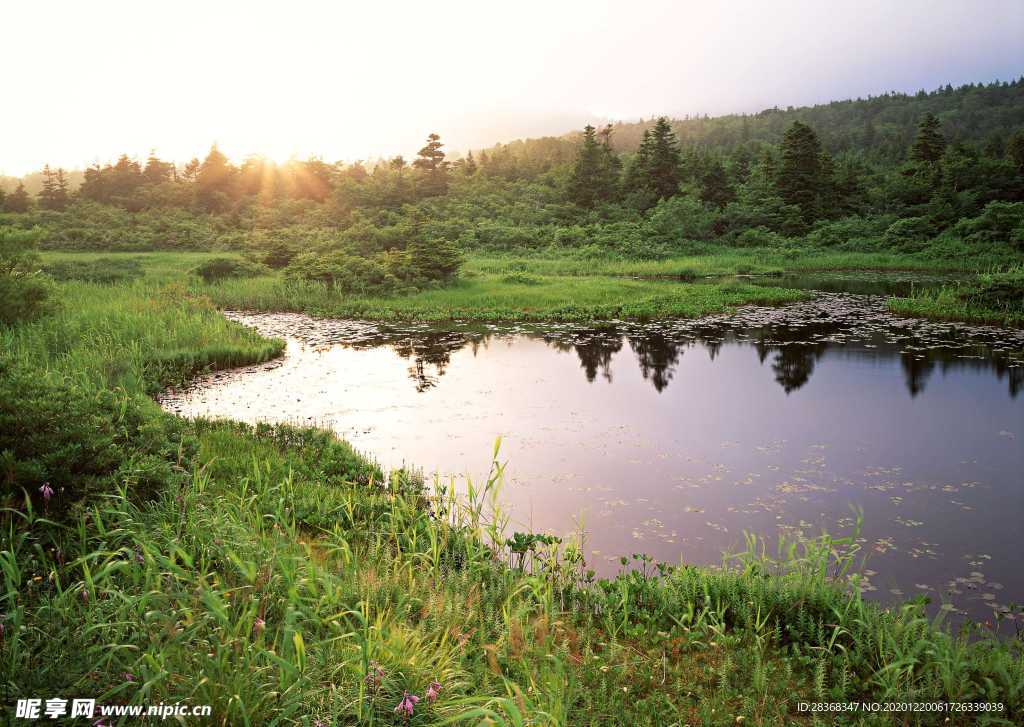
(760, 237)
(680, 218)
(910, 234)
(219, 268)
(344, 272)
(105, 270)
(80, 441)
(856, 233)
(25, 293)
(998, 222)
(518, 278)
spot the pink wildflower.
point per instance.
(407, 705)
(433, 691)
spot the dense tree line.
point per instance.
(819, 177)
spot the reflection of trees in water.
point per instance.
(429, 350)
(918, 366)
(796, 350)
(793, 366)
(596, 353)
(657, 356)
(916, 371)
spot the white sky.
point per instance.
(84, 81)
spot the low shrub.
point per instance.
(910, 234)
(344, 272)
(25, 293)
(219, 268)
(999, 222)
(520, 279)
(61, 442)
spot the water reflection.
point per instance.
(790, 340)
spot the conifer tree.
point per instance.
(18, 200)
(595, 173)
(54, 194)
(433, 168)
(156, 170)
(799, 175)
(929, 144)
(715, 187)
(663, 167)
(215, 181)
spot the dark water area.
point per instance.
(673, 438)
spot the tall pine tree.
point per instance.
(433, 168)
(799, 176)
(18, 200)
(595, 174)
(929, 144)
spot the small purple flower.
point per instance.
(258, 625)
(321, 723)
(128, 676)
(407, 705)
(1, 630)
(433, 691)
(46, 491)
(85, 596)
(139, 557)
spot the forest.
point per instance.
(935, 175)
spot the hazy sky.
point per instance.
(84, 81)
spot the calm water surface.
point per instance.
(673, 438)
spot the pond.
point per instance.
(673, 438)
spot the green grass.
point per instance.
(726, 261)
(994, 298)
(280, 571)
(493, 298)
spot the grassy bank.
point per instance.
(279, 577)
(545, 288)
(516, 297)
(725, 261)
(996, 298)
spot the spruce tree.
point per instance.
(799, 177)
(595, 173)
(929, 144)
(431, 163)
(215, 181)
(54, 194)
(663, 167)
(18, 200)
(156, 170)
(636, 174)
(715, 188)
(61, 191)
